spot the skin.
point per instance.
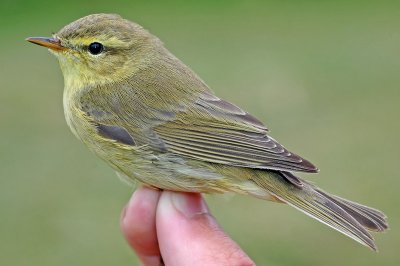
(179, 228)
(153, 120)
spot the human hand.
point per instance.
(177, 228)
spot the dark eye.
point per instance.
(95, 48)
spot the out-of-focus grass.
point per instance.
(324, 76)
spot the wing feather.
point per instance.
(221, 132)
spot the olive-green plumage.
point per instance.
(154, 120)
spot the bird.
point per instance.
(156, 122)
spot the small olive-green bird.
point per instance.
(150, 117)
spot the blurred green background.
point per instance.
(323, 75)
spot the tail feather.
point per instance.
(349, 218)
(329, 213)
(368, 217)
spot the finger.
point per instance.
(189, 235)
(138, 225)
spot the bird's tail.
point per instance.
(347, 217)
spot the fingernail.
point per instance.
(189, 204)
(142, 200)
(128, 206)
(123, 213)
(150, 260)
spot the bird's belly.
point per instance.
(164, 171)
(161, 170)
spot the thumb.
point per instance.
(189, 235)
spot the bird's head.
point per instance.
(99, 49)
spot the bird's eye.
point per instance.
(95, 48)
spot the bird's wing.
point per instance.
(207, 129)
(217, 131)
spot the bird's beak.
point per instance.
(51, 43)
